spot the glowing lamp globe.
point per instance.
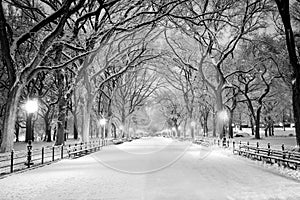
(193, 123)
(102, 122)
(32, 106)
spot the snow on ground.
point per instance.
(275, 168)
(198, 173)
(280, 137)
(277, 131)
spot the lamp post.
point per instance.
(31, 106)
(102, 123)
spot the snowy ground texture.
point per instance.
(152, 168)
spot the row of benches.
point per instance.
(202, 142)
(85, 148)
(283, 157)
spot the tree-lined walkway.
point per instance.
(152, 168)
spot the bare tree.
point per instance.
(172, 109)
(134, 88)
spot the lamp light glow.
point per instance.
(32, 106)
(102, 121)
(223, 115)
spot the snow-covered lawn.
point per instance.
(280, 137)
(277, 131)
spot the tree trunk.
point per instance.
(219, 122)
(252, 125)
(257, 123)
(66, 135)
(48, 132)
(283, 8)
(184, 132)
(123, 122)
(11, 108)
(17, 133)
(241, 121)
(91, 129)
(60, 134)
(75, 128)
(205, 127)
(108, 127)
(214, 125)
(86, 125)
(62, 101)
(266, 131)
(75, 119)
(192, 132)
(87, 109)
(296, 107)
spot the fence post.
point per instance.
(12, 161)
(248, 145)
(62, 152)
(43, 151)
(228, 143)
(53, 149)
(269, 149)
(233, 146)
(283, 152)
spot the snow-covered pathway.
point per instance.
(150, 168)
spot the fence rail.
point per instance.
(20, 160)
(286, 158)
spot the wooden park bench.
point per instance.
(202, 142)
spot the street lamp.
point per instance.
(102, 123)
(31, 106)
